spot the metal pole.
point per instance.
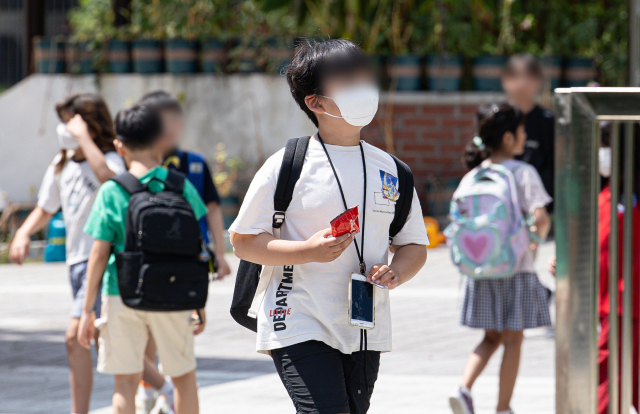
(34, 14)
(614, 358)
(634, 42)
(627, 269)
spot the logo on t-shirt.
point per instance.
(389, 193)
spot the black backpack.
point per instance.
(248, 275)
(162, 267)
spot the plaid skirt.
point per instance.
(514, 303)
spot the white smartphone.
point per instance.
(361, 302)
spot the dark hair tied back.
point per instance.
(94, 111)
(492, 121)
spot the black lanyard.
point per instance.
(363, 266)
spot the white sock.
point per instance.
(466, 391)
(167, 387)
(504, 412)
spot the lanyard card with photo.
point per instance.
(361, 296)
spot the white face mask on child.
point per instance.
(65, 139)
(358, 104)
(604, 161)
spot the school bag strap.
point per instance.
(129, 182)
(175, 182)
(253, 279)
(290, 170)
(403, 204)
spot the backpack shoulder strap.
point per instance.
(195, 175)
(174, 182)
(290, 170)
(403, 204)
(129, 182)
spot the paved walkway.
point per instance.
(429, 351)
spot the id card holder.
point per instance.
(362, 308)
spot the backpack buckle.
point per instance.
(278, 219)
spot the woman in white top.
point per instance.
(87, 158)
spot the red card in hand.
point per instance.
(346, 222)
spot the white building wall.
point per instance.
(246, 112)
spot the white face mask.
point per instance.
(604, 161)
(65, 139)
(358, 104)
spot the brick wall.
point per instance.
(430, 132)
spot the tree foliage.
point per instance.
(591, 28)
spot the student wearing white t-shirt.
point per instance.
(318, 355)
(87, 159)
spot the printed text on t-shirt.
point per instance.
(280, 313)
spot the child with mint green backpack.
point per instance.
(488, 233)
(498, 215)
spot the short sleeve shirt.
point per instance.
(74, 190)
(531, 195)
(108, 217)
(310, 301)
(531, 191)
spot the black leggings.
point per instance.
(323, 380)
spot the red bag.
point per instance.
(346, 222)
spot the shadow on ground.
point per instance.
(37, 360)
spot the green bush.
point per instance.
(589, 28)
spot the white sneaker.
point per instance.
(145, 399)
(461, 402)
(164, 405)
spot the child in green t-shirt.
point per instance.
(124, 331)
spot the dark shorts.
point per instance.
(78, 279)
(322, 380)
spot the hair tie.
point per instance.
(477, 141)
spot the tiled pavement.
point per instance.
(429, 351)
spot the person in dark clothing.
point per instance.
(183, 161)
(522, 81)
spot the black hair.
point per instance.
(161, 101)
(314, 61)
(493, 121)
(531, 65)
(138, 127)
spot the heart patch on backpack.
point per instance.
(477, 245)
